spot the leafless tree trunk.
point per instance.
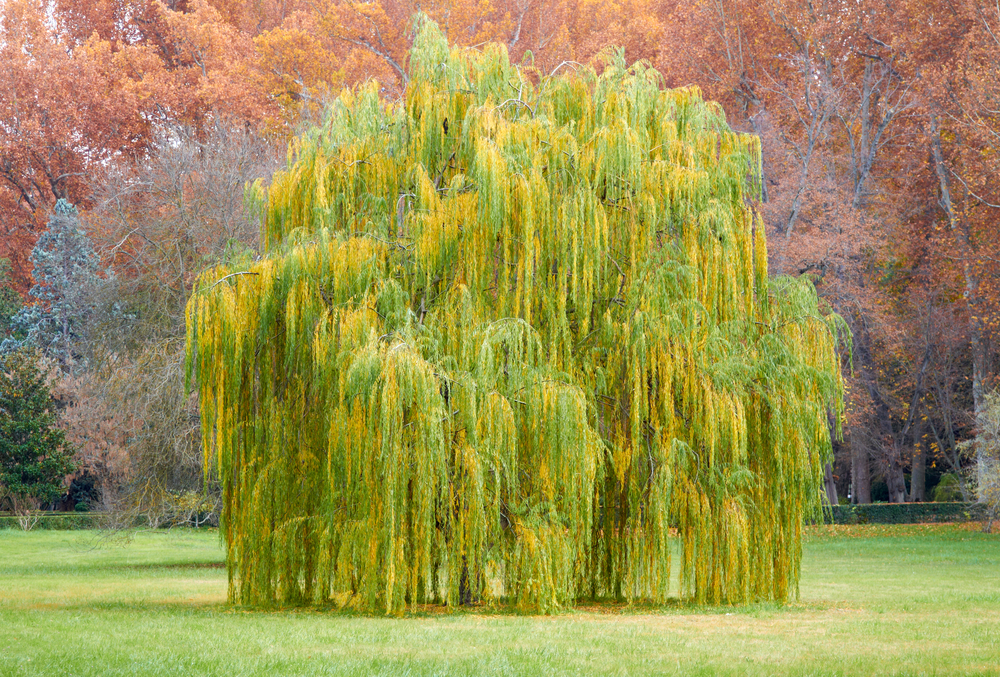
(918, 476)
(861, 474)
(977, 329)
(830, 485)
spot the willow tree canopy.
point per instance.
(513, 341)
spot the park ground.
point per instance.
(875, 600)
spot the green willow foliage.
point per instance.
(507, 342)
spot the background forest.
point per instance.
(129, 130)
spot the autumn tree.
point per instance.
(161, 222)
(64, 113)
(89, 87)
(513, 339)
(158, 225)
(960, 82)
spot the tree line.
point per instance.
(148, 120)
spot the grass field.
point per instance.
(900, 600)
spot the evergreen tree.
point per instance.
(34, 454)
(65, 271)
(507, 338)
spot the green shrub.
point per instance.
(905, 513)
(948, 489)
(34, 454)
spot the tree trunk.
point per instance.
(861, 472)
(861, 475)
(831, 486)
(895, 479)
(465, 585)
(918, 476)
(977, 340)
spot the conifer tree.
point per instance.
(512, 340)
(34, 454)
(64, 269)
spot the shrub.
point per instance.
(948, 489)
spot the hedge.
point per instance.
(57, 521)
(904, 513)
(68, 521)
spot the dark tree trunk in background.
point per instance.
(895, 478)
(861, 475)
(918, 477)
(830, 484)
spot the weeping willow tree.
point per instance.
(514, 341)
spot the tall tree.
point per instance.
(953, 52)
(64, 111)
(517, 331)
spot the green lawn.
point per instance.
(902, 600)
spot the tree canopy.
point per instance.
(506, 339)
